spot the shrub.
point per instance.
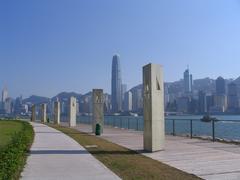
(13, 156)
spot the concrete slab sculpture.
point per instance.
(72, 111)
(153, 100)
(57, 112)
(98, 109)
(33, 117)
(44, 113)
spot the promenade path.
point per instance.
(55, 156)
(208, 160)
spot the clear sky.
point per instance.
(49, 46)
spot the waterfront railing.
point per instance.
(190, 127)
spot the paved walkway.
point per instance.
(208, 160)
(55, 156)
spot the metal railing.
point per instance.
(189, 127)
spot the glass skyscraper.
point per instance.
(116, 85)
(187, 81)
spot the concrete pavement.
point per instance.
(55, 156)
(208, 160)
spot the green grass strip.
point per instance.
(127, 164)
(13, 155)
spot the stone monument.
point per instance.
(57, 112)
(153, 105)
(33, 117)
(98, 114)
(44, 113)
(72, 111)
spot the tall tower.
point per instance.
(4, 94)
(116, 84)
(187, 81)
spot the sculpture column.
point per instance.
(154, 126)
(33, 117)
(57, 112)
(98, 113)
(44, 113)
(72, 111)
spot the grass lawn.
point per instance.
(7, 131)
(127, 164)
(16, 138)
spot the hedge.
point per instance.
(13, 156)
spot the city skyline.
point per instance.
(183, 96)
(69, 46)
(108, 92)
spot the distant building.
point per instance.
(166, 95)
(182, 104)
(18, 106)
(210, 102)
(187, 82)
(85, 103)
(220, 103)
(233, 103)
(128, 101)
(8, 106)
(220, 98)
(4, 94)
(220, 86)
(202, 102)
(192, 105)
(24, 110)
(107, 103)
(191, 83)
(116, 85)
(137, 99)
(4, 97)
(124, 90)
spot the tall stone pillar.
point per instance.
(154, 127)
(72, 111)
(44, 113)
(57, 112)
(33, 117)
(98, 113)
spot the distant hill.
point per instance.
(36, 100)
(66, 95)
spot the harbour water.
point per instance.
(227, 128)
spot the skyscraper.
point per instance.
(124, 90)
(8, 105)
(220, 86)
(4, 94)
(4, 97)
(202, 102)
(137, 98)
(116, 84)
(128, 101)
(233, 104)
(220, 98)
(187, 81)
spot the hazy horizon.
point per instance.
(47, 47)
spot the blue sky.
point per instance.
(49, 46)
